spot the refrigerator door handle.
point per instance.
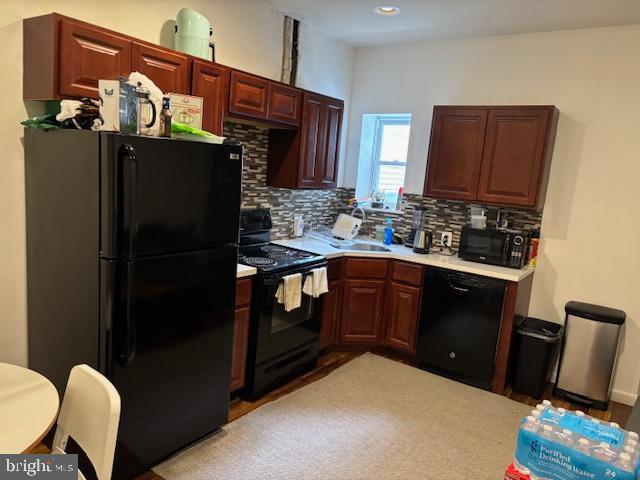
(128, 352)
(129, 164)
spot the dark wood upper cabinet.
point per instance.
(64, 57)
(308, 157)
(514, 155)
(211, 82)
(363, 302)
(498, 155)
(331, 150)
(455, 152)
(284, 104)
(311, 141)
(88, 54)
(248, 95)
(168, 69)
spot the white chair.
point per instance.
(90, 414)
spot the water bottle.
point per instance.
(565, 437)
(525, 472)
(547, 403)
(531, 423)
(603, 452)
(624, 462)
(633, 452)
(584, 446)
(388, 232)
(547, 432)
(632, 436)
(630, 446)
(580, 413)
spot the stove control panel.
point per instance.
(255, 220)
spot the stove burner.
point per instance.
(259, 261)
(273, 248)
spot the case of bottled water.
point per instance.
(556, 444)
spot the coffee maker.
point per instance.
(416, 224)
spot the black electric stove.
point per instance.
(281, 344)
(269, 257)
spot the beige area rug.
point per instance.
(372, 418)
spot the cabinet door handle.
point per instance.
(129, 167)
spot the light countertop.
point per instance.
(399, 252)
(245, 271)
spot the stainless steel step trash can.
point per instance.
(589, 353)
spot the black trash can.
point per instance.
(536, 347)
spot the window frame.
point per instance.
(381, 121)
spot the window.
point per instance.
(383, 155)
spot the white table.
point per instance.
(28, 408)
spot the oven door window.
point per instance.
(282, 320)
(280, 331)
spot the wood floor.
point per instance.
(330, 361)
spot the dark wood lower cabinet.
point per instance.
(239, 349)
(330, 319)
(402, 316)
(240, 333)
(362, 308)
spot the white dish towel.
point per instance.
(290, 291)
(316, 284)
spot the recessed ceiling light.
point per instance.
(386, 10)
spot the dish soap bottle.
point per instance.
(388, 232)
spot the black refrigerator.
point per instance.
(131, 269)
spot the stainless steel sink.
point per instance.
(363, 247)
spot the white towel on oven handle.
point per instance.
(316, 283)
(290, 291)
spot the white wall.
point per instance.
(591, 220)
(248, 36)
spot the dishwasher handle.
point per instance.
(458, 288)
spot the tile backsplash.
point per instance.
(321, 207)
(447, 215)
(318, 207)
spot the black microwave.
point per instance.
(507, 248)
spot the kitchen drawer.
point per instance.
(408, 273)
(335, 270)
(243, 292)
(366, 268)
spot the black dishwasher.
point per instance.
(460, 323)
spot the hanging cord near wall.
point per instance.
(444, 250)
